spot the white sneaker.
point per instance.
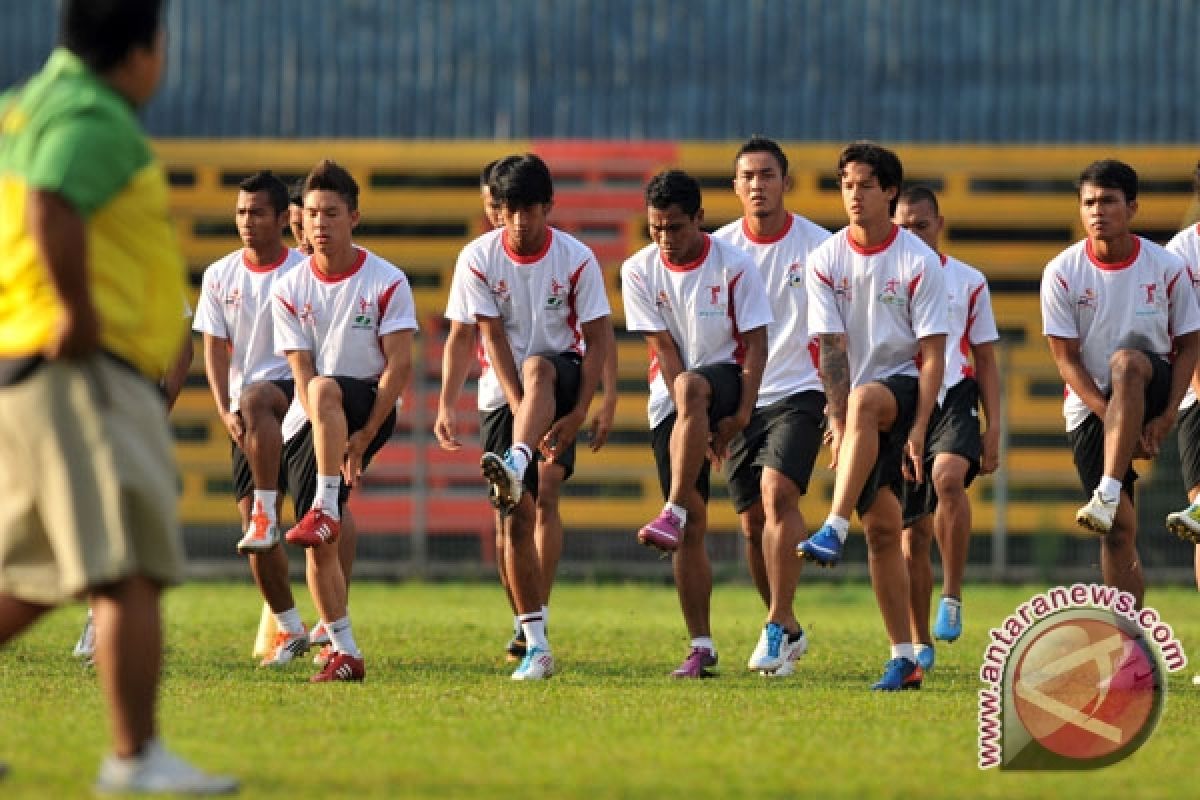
(158, 770)
(1098, 514)
(318, 636)
(792, 650)
(505, 487)
(1186, 524)
(261, 536)
(286, 648)
(537, 665)
(85, 648)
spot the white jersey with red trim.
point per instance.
(970, 322)
(792, 355)
(1108, 307)
(705, 305)
(543, 299)
(1186, 245)
(339, 319)
(235, 305)
(884, 298)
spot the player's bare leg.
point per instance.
(1119, 562)
(752, 521)
(916, 542)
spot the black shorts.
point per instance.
(785, 436)
(1189, 445)
(1087, 440)
(496, 427)
(243, 479)
(953, 429)
(887, 469)
(725, 380)
(358, 398)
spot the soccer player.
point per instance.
(1122, 329)
(771, 461)
(253, 388)
(461, 347)
(955, 451)
(1186, 523)
(90, 282)
(702, 307)
(345, 320)
(877, 303)
(537, 295)
(296, 217)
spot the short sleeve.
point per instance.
(1058, 318)
(641, 312)
(476, 292)
(928, 303)
(456, 305)
(981, 322)
(397, 312)
(208, 318)
(823, 313)
(1183, 311)
(752, 308)
(587, 291)
(289, 333)
(87, 158)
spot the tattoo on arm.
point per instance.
(835, 373)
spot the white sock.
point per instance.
(678, 511)
(519, 456)
(546, 615)
(535, 630)
(290, 621)
(328, 487)
(904, 650)
(342, 637)
(840, 525)
(921, 647)
(516, 623)
(704, 642)
(264, 501)
(1110, 488)
(952, 601)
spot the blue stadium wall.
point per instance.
(1022, 71)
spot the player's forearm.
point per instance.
(608, 379)
(1071, 370)
(835, 375)
(391, 385)
(216, 367)
(670, 364)
(753, 364)
(930, 375)
(456, 362)
(987, 374)
(598, 339)
(303, 371)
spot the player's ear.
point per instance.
(548, 207)
(1133, 207)
(788, 183)
(355, 215)
(699, 216)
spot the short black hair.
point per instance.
(485, 175)
(103, 32)
(331, 176)
(1108, 173)
(674, 187)
(521, 182)
(266, 181)
(919, 194)
(883, 163)
(761, 144)
(296, 193)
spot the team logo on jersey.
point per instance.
(1153, 300)
(363, 318)
(500, 290)
(306, 314)
(843, 290)
(889, 296)
(716, 302)
(796, 275)
(558, 295)
(662, 301)
(234, 299)
(1087, 299)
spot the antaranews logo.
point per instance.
(1075, 678)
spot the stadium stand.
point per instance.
(1009, 210)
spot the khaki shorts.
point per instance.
(89, 482)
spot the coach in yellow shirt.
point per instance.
(90, 287)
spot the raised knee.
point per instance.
(537, 369)
(692, 391)
(1127, 364)
(324, 394)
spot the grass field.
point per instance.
(438, 716)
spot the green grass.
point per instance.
(438, 716)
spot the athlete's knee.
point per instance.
(325, 395)
(692, 392)
(780, 496)
(869, 406)
(753, 520)
(1129, 365)
(260, 399)
(537, 371)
